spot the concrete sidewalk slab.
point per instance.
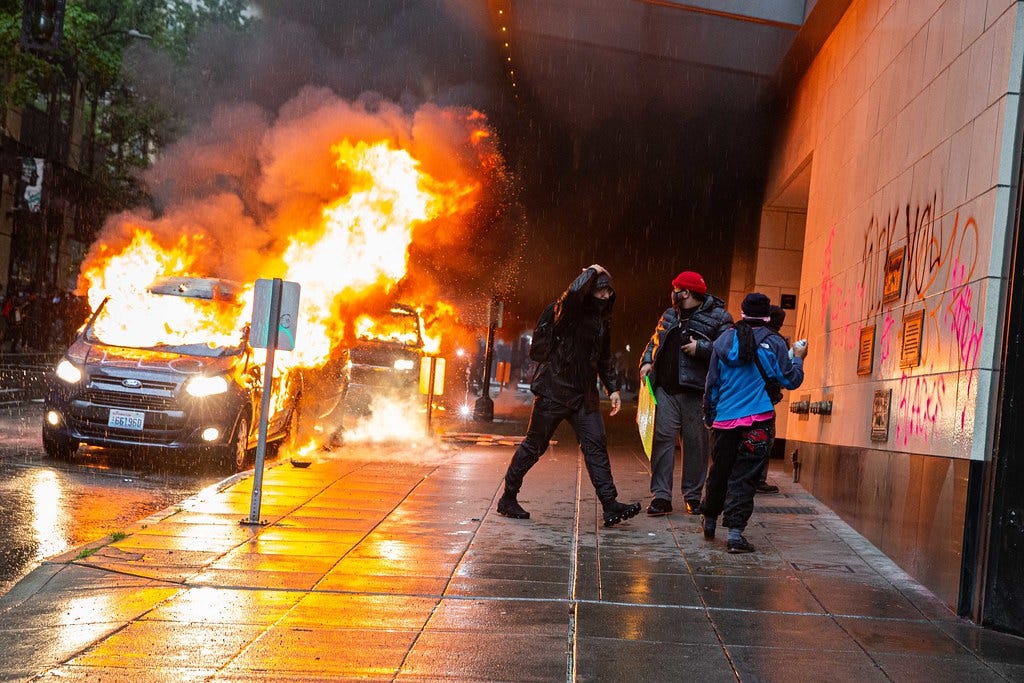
(388, 562)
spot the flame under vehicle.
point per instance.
(191, 394)
(385, 357)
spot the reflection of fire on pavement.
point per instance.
(478, 439)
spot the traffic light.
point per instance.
(42, 24)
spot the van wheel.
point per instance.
(58, 446)
(240, 446)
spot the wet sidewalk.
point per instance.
(389, 563)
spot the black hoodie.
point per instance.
(583, 350)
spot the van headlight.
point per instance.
(206, 386)
(68, 372)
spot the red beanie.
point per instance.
(691, 281)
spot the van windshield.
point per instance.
(170, 323)
(396, 326)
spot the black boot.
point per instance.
(508, 506)
(615, 512)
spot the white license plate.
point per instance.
(126, 419)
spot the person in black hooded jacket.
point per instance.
(565, 388)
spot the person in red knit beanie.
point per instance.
(676, 360)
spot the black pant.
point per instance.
(589, 428)
(762, 475)
(736, 459)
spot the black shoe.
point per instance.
(615, 512)
(708, 527)
(508, 506)
(659, 507)
(740, 546)
(693, 508)
(765, 487)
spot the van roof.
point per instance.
(213, 289)
(403, 309)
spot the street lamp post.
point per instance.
(484, 408)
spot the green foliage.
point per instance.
(125, 130)
(186, 18)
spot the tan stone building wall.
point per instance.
(898, 153)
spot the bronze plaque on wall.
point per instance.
(892, 287)
(880, 415)
(913, 330)
(866, 355)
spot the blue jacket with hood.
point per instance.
(735, 390)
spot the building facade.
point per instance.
(890, 224)
(46, 218)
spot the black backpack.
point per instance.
(544, 335)
(773, 388)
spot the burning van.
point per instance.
(174, 391)
(385, 357)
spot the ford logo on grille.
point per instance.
(131, 383)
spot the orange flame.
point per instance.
(134, 317)
(363, 242)
(438, 318)
(352, 248)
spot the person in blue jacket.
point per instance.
(739, 411)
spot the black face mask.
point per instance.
(677, 299)
(596, 305)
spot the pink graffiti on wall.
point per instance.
(938, 256)
(827, 284)
(919, 406)
(886, 336)
(960, 317)
(835, 304)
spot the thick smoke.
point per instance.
(263, 108)
(250, 181)
(646, 164)
(409, 52)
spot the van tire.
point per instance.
(239, 449)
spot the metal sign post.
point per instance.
(484, 408)
(274, 314)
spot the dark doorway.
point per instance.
(992, 589)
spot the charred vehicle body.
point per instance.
(194, 394)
